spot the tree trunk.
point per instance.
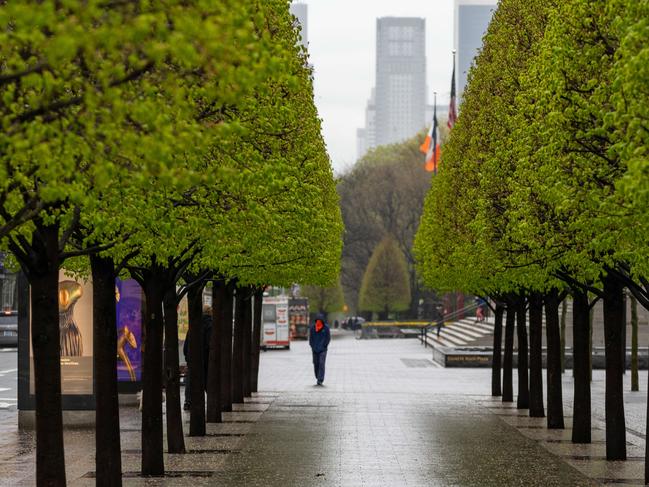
(614, 402)
(537, 409)
(226, 348)
(108, 465)
(256, 340)
(214, 399)
(247, 343)
(581, 404)
(591, 316)
(196, 364)
(497, 355)
(523, 400)
(646, 450)
(635, 386)
(152, 436)
(553, 361)
(624, 321)
(175, 438)
(564, 312)
(241, 301)
(44, 281)
(510, 323)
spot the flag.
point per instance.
(430, 147)
(452, 109)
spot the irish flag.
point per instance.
(430, 147)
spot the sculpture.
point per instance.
(126, 336)
(70, 337)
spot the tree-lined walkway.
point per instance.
(385, 417)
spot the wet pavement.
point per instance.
(387, 416)
(8, 375)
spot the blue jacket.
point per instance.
(319, 341)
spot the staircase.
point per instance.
(461, 333)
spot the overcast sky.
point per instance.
(342, 46)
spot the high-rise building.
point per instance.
(400, 78)
(397, 108)
(366, 137)
(472, 18)
(300, 11)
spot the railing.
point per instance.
(440, 323)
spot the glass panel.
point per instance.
(9, 293)
(75, 327)
(269, 313)
(129, 304)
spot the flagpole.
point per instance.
(435, 142)
(453, 81)
(452, 108)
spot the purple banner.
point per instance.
(129, 298)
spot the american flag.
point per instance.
(452, 109)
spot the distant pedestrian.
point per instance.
(206, 323)
(319, 338)
(480, 310)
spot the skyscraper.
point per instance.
(300, 11)
(400, 78)
(472, 18)
(366, 137)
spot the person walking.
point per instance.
(319, 338)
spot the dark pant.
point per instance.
(188, 387)
(188, 394)
(319, 365)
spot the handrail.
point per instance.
(445, 318)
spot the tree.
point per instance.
(383, 194)
(324, 299)
(386, 287)
(91, 90)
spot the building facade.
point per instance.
(400, 78)
(472, 18)
(300, 11)
(366, 137)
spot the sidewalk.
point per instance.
(387, 416)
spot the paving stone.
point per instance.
(378, 421)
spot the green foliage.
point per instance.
(386, 286)
(463, 242)
(324, 299)
(382, 194)
(197, 137)
(545, 180)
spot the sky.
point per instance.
(342, 50)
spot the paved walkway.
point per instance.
(387, 416)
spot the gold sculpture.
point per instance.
(70, 337)
(126, 336)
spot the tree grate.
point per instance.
(221, 451)
(168, 474)
(306, 406)
(225, 434)
(620, 481)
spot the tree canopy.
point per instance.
(386, 287)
